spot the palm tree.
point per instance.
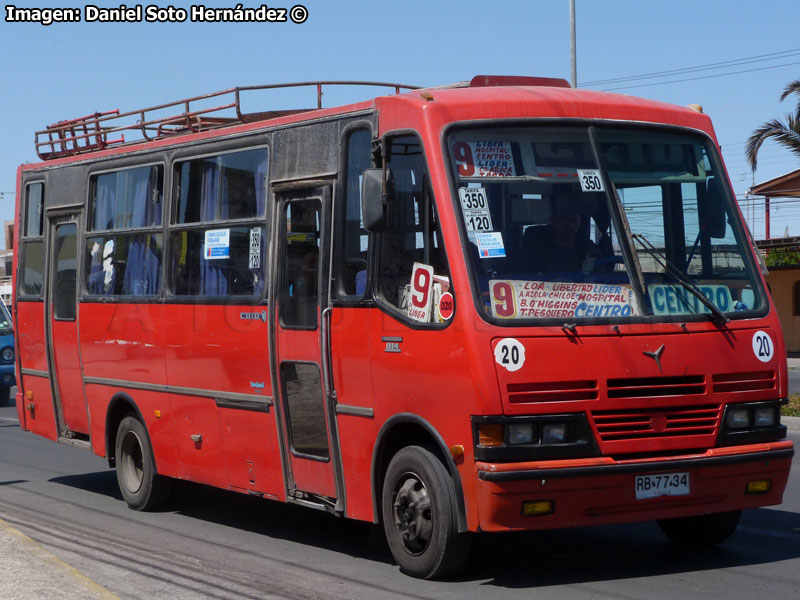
(785, 133)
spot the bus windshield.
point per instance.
(549, 240)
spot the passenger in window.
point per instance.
(563, 245)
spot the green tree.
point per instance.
(783, 257)
(786, 133)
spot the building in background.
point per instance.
(783, 279)
(6, 260)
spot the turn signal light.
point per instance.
(490, 435)
(759, 486)
(537, 508)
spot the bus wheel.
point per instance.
(141, 487)
(419, 515)
(703, 531)
(5, 394)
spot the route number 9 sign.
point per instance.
(419, 297)
(484, 159)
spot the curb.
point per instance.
(792, 423)
(34, 551)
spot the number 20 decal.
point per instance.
(763, 347)
(509, 354)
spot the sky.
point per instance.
(66, 70)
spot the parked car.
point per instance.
(7, 378)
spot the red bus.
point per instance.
(499, 305)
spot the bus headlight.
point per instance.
(738, 418)
(8, 354)
(554, 433)
(520, 433)
(764, 417)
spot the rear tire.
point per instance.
(703, 531)
(5, 395)
(141, 487)
(419, 515)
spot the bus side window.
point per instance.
(413, 235)
(32, 263)
(217, 230)
(355, 240)
(124, 241)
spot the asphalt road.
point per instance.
(217, 544)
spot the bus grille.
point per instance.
(744, 382)
(617, 425)
(646, 387)
(552, 391)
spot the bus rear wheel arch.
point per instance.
(419, 514)
(141, 486)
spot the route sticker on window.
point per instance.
(590, 180)
(484, 159)
(490, 245)
(558, 299)
(255, 248)
(509, 353)
(217, 244)
(420, 293)
(763, 347)
(446, 307)
(677, 300)
(475, 209)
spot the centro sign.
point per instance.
(674, 300)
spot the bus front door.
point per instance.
(62, 325)
(298, 301)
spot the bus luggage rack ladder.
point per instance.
(102, 130)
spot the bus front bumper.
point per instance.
(594, 491)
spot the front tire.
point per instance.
(5, 395)
(703, 531)
(141, 487)
(419, 515)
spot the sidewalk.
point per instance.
(29, 572)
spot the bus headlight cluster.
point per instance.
(528, 433)
(532, 437)
(749, 417)
(8, 354)
(751, 422)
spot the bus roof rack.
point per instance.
(102, 130)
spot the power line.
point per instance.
(629, 87)
(709, 66)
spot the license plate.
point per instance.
(664, 484)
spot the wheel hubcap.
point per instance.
(412, 514)
(131, 462)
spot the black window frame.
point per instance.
(377, 240)
(172, 227)
(116, 233)
(56, 295)
(340, 233)
(26, 241)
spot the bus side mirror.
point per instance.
(375, 199)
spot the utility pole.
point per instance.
(574, 80)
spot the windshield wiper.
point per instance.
(675, 273)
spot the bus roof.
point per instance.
(484, 97)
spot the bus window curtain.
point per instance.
(105, 197)
(212, 280)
